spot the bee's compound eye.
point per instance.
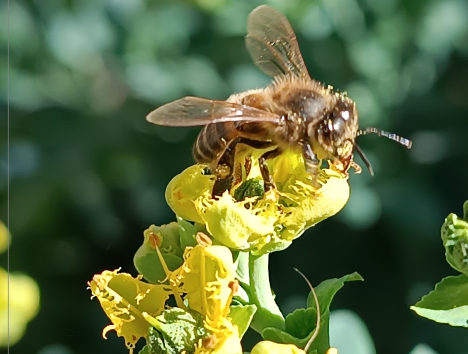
(345, 115)
(338, 125)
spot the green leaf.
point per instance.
(448, 303)
(147, 262)
(241, 315)
(300, 322)
(145, 350)
(300, 325)
(328, 289)
(170, 238)
(187, 232)
(174, 331)
(303, 322)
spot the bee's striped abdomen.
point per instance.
(212, 141)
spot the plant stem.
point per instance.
(243, 267)
(268, 314)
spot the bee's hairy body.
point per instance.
(302, 104)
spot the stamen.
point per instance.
(175, 290)
(203, 240)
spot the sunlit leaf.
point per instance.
(448, 303)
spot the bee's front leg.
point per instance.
(311, 163)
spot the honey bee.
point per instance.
(293, 112)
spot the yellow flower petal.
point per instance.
(309, 206)
(185, 188)
(208, 278)
(124, 299)
(267, 347)
(234, 225)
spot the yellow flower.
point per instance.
(260, 224)
(225, 342)
(267, 347)
(23, 306)
(124, 299)
(207, 277)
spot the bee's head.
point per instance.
(332, 138)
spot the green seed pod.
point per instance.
(250, 188)
(454, 234)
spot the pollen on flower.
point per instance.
(210, 342)
(234, 286)
(203, 240)
(155, 240)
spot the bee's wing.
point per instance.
(272, 43)
(193, 111)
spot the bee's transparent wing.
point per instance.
(194, 111)
(272, 43)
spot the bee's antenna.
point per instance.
(317, 326)
(364, 158)
(391, 136)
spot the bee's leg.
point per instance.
(311, 163)
(237, 173)
(267, 179)
(258, 144)
(248, 165)
(225, 170)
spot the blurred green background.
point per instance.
(88, 173)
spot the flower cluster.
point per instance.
(203, 280)
(265, 223)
